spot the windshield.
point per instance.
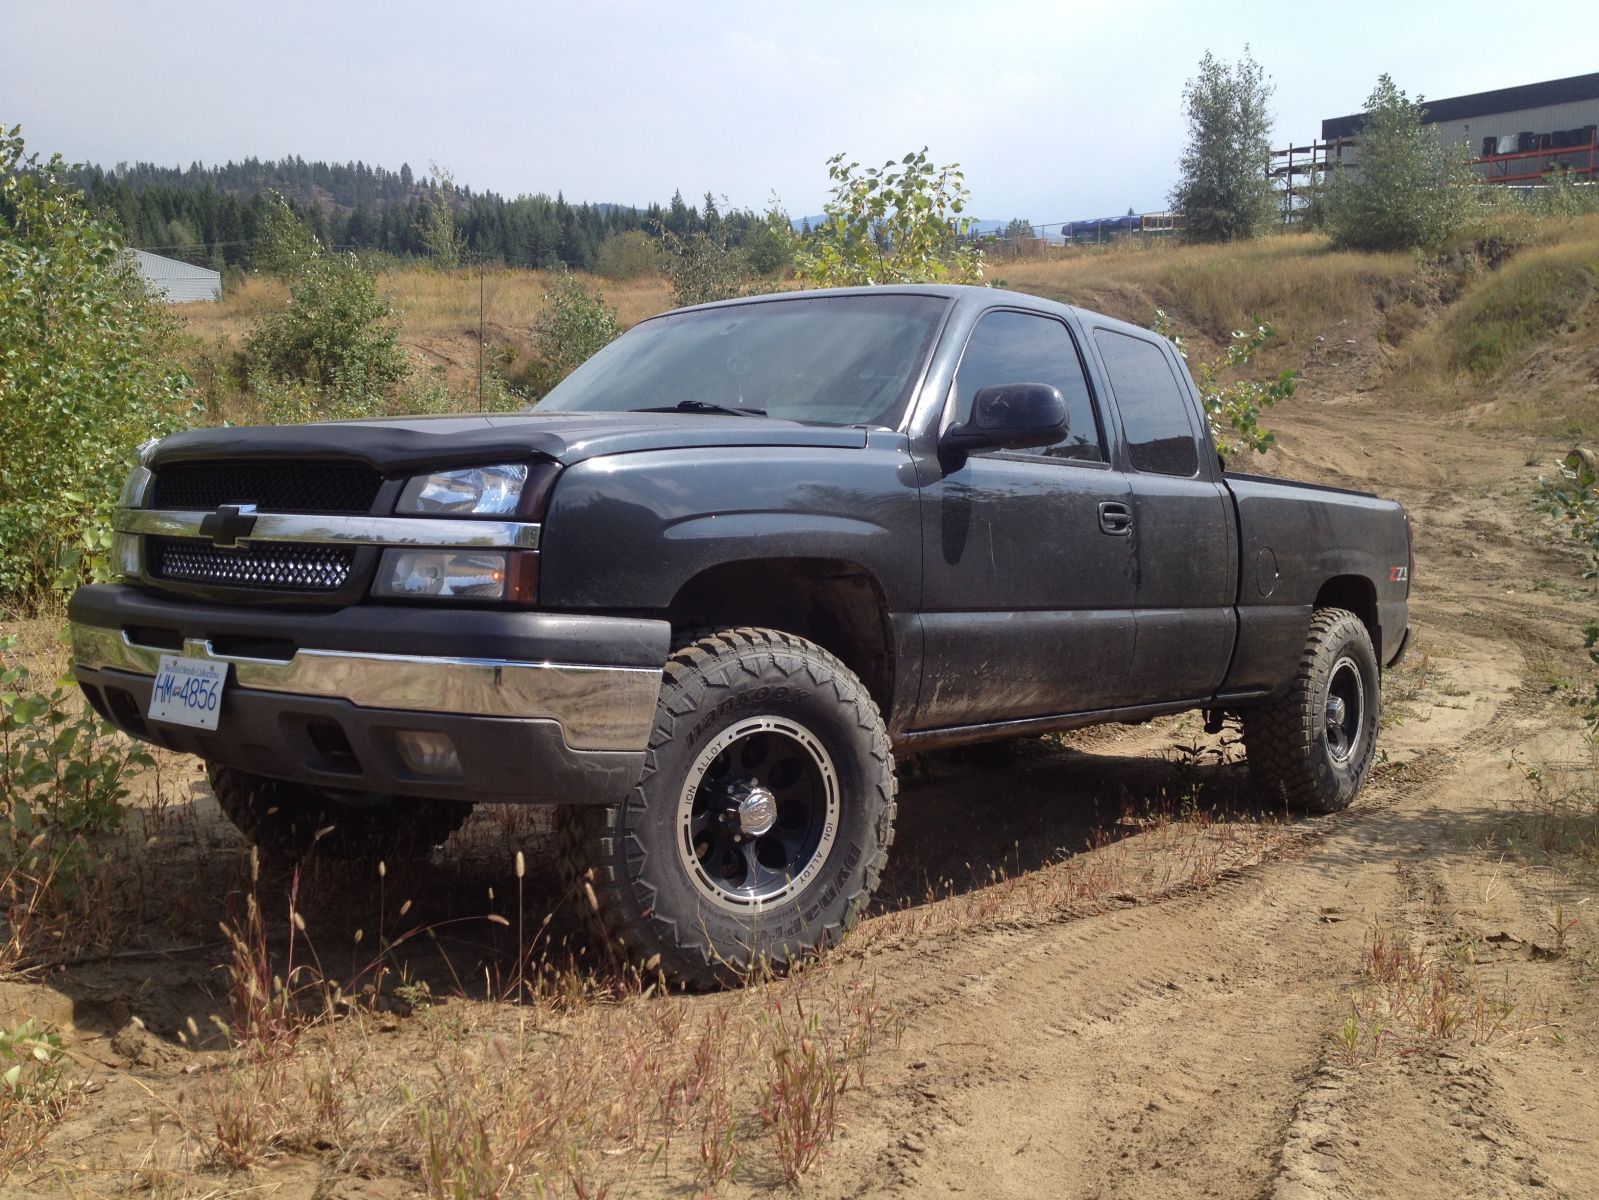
(830, 360)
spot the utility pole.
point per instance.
(480, 341)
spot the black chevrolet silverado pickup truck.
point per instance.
(725, 572)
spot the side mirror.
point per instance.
(1012, 416)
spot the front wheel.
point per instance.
(1313, 747)
(762, 820)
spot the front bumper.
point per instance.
(540, 707)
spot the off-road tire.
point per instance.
(1286, 740)
(624, 861)
(282, 820)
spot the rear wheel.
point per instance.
(1313, 747)
(286, 821)
(762, 820)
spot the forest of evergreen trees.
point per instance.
(211, 215)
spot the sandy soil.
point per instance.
(1183, 1040)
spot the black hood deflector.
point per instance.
(414, 443)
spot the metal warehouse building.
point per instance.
(177, 282)
(1516, 134)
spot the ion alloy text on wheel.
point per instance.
(758, 813)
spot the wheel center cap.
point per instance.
(757, 812)
(1335, 710)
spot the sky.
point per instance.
(1056, 111)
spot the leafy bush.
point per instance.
(283, 246)
(703, 269)
(769, 246)
(1233, 406)
(1222, 191)
(628, 255)
(334, 350)
(1573, 500)
(1407, 191)
(1562, 196)
(31, 1063)
(571, 329)
(898, 223)
(61, 770)
(34, 1091)
(85, 376)
(63, 778)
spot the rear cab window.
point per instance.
(1156, 419)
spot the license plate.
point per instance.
(188, 691)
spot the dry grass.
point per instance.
(1519, 337)
(446, 302)
(478, 1098)
(1293, 280)
(1411, 998)
(548, 1076)
(431, 303)
(1153, 850)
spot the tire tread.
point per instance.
(588, 834)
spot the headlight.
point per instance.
(475, 491)
(442, 574)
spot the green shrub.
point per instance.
(1222, 191)
(283, 246)
(769, 246)
(62, 771)
(898, 223)
(571, 329)
(628, 255)
(31, 1064)
(1407, 191)
(703, 269)
(334, 350)
(85, 376)
(1232, 405)
(63, 778)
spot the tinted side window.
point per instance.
(1153, 405)
(1014, 347)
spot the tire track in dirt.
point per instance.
(1183, 1042)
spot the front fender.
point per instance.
(627, 532)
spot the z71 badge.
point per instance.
(1398, 574)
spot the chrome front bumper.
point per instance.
(597, 707)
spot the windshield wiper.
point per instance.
(704, 406)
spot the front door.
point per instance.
(1028, 559)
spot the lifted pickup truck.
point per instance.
(704, 593)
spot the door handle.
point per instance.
(1115, 519)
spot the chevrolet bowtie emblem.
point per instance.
(228, 524)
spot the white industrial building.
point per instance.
(1515, 134)
(174, 281)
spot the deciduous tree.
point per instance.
(1222, 190)
(1407, 189)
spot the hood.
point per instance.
(413, 443)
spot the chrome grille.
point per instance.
(289, 487)
(269, 566)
